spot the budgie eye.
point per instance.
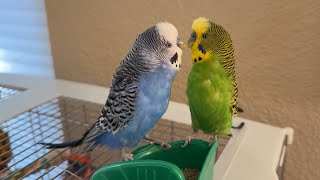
(193, 35)
(204, 36)
(168, 45)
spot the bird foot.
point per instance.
(187, 141)
(157, 141)
(125, 156)
(213, 139)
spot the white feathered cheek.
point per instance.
(175, 60)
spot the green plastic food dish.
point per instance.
(154, 162)
(139, 170)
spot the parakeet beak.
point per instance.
(180, 44)
(190, 42)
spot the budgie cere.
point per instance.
(212, 86)
(139, 94)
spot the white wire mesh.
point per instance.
(6, 92)
(65, 119)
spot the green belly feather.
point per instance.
(209, 91)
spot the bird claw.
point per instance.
(187, 141)
(161, 144)
(212, 140)
(165, 145)
(125, 156)
(149, 142)
(157, 141)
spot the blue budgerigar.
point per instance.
(139, 94)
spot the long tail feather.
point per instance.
(240, 110)
(240, 126)
(67, 144)
(63, 145)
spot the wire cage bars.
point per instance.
(65, 119)
(7, 91)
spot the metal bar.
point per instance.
(61, 162)
(32, 146)
(40, 127)
(80, 168)
(25, 130)
(22, 118)
(172, 130)
(37, 169)
(16, 118)
(30, 132)
(20, 145)
(69, 111)
(22, 152)
(53, 157)
(93, 160)
(6, 92)
(48, 152)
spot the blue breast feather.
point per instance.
(152, 102)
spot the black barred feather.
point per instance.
(120, 106)
(221, 43)
(145, 55)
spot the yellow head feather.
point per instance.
(201, 25)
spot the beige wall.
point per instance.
(277, 49)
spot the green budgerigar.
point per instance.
(212, 87)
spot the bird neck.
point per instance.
(211, 66)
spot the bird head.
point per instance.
(208, 39)
(160, 45)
